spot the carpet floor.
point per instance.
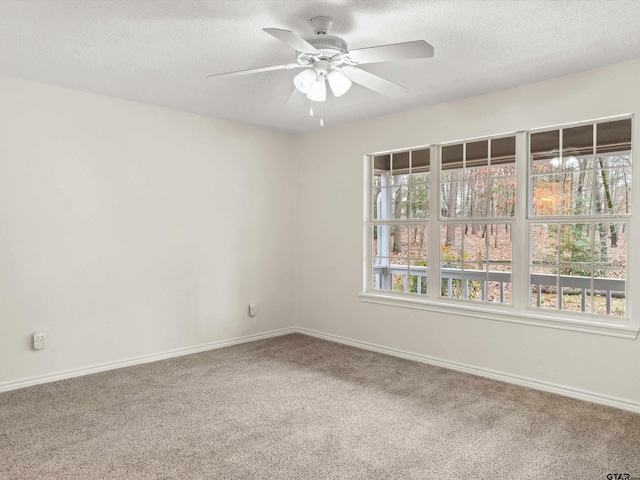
(295, 407)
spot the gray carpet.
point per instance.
(296, 407)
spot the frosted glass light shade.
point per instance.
(304, 80)
(571, 162)
(318, 92)
(339, 83)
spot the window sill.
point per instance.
(621, 329)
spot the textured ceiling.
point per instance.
(159, 52)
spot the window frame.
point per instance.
(519, 310)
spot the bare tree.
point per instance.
(452, 202)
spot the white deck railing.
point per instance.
(606, 287)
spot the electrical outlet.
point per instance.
(39, 340)
(252, 310)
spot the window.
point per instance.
(579, 204)
(533, 223)
(477, 207)
(399, 232)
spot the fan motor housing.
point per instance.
(328, 45)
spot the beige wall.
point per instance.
(331, 226)
(129, 230)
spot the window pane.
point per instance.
(419, 178)
(609, 296)
(399, 167)
(451, 280)
(451, 243)
(474, 288)
(380, 240)
(398, 241)
(503, 197)
(610, 245)
(400, 178)
(613, 190)
(452, 156)
(475, 262)
(615, 160)
(420, 160)
(419, 194)
(399, 281)
(499, 292)
(503, 151)
(418, 239)
(577, 192)
(544, 244)
(545, 147)
(418, 276)
(475, 199)
(475, 252)
(451, 199)
(508, 170)
(451, 175)
(476, 172)
(591, 270)
(499, 244)
(376, 198)
(576, 299)
(399, 202)
(399, 257)
(544, 281)
(379, 267)
(382, 162)
(399, 270)
(376, 182)
(547, 166)
(381, 207)
(477, 157)
(575, 246)
(613, 136)
(577, 141)
(546, 195)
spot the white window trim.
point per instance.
(519, 310)
(503, 313)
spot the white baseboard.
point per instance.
(78, 372)
(629, 405)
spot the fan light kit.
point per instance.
(327, 59)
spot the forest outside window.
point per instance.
(459, 209)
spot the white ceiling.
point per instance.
(159, 52)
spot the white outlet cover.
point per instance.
(39, 340)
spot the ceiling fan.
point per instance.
(327, 59)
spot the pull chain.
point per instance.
(321, 112)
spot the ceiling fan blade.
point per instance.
(287, 66)
(395, 51)
(292, 40)
(374, 82)
(296, 99)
